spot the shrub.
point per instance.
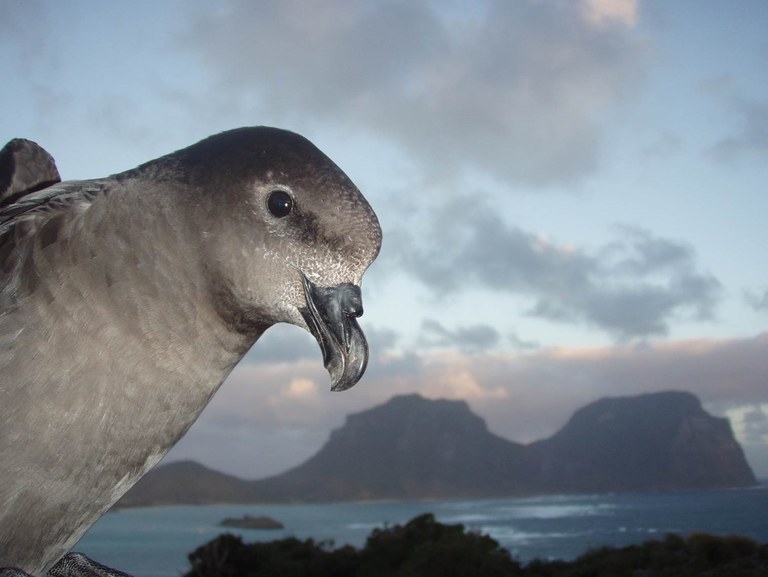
(425, 548)
(228, 556)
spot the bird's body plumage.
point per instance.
(126, 301)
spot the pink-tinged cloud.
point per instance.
(601, 13)
(523, 396)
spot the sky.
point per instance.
(573, 193)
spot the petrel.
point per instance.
(126, 301)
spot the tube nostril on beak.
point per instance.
(351, 300)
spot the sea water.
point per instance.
(154, 542)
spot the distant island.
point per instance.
(415, 448)
(248, 522)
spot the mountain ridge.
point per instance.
(414, 448)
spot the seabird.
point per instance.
(126, 301)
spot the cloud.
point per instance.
(519, 343)
(631, 288)
(271, 417)
(758, 302)
(528, 396)
(755, 424)
(545, 387)
(607, 12)
(511, 89)
(750, 139)
(380, 339)
(665, 145)
(453, 375)
(750, 425)
(303, 389)
(32, 60)
(284, 344)
(470, 339)
(23, 29)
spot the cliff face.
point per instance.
(412, 447)
(650, 442)
(407, 448)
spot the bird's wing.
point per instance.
(30, 185)
(38, 219)
(53, 198)
(25, 167)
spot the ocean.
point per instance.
(154, 542)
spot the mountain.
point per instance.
(412, 448)
(186, 482)
(660, 441)
(409, 447)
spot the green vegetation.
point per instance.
(425, 548)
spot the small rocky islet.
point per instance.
(250, 522)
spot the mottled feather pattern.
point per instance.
(30, 225)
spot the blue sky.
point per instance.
(572, 192)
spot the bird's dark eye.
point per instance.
(280, 203)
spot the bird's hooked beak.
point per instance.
(331, 315)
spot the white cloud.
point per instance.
(750, 422)
(512, 89)
(452, 375)
(605, 12)
(302, 389)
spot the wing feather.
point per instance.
(25, 167)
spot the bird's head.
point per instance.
(287, 238)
